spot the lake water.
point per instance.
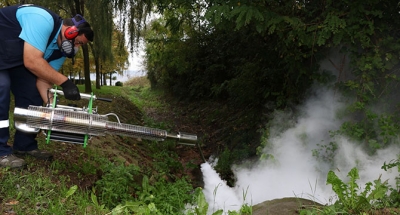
(128, 74)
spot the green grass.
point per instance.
(36, 193)
(138, 91)
(146, 97)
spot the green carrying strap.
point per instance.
(90, 112)
(53, 106)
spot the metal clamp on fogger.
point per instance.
(78, 125)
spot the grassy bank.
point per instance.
(112, 175)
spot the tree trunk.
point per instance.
(88, 86)
(98, 76)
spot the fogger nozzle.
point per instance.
(79, 122)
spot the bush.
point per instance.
(119, 84)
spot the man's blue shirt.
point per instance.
(37, 25)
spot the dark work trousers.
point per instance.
(22, 84)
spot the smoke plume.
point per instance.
(299, 159)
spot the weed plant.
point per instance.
(353, 199)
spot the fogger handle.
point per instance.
(104, 99)
(183, 137)
(83, 95)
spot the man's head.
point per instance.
(81, 25)
(76, 32)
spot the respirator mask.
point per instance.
(68, 48)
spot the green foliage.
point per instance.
(253, 53)
(164, 160)
(350, 196)
(394, 197)
(117, 185)
(160, 197)
(352, 199)
(137, 208)
(225, 160)
(170, 198)
(71, 191)
(391, 164)
(373, 131)
(195, 67)
(325, 152)
(201, 205)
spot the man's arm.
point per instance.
(34, 62)
(42, 87)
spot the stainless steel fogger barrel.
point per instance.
(70, 124)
